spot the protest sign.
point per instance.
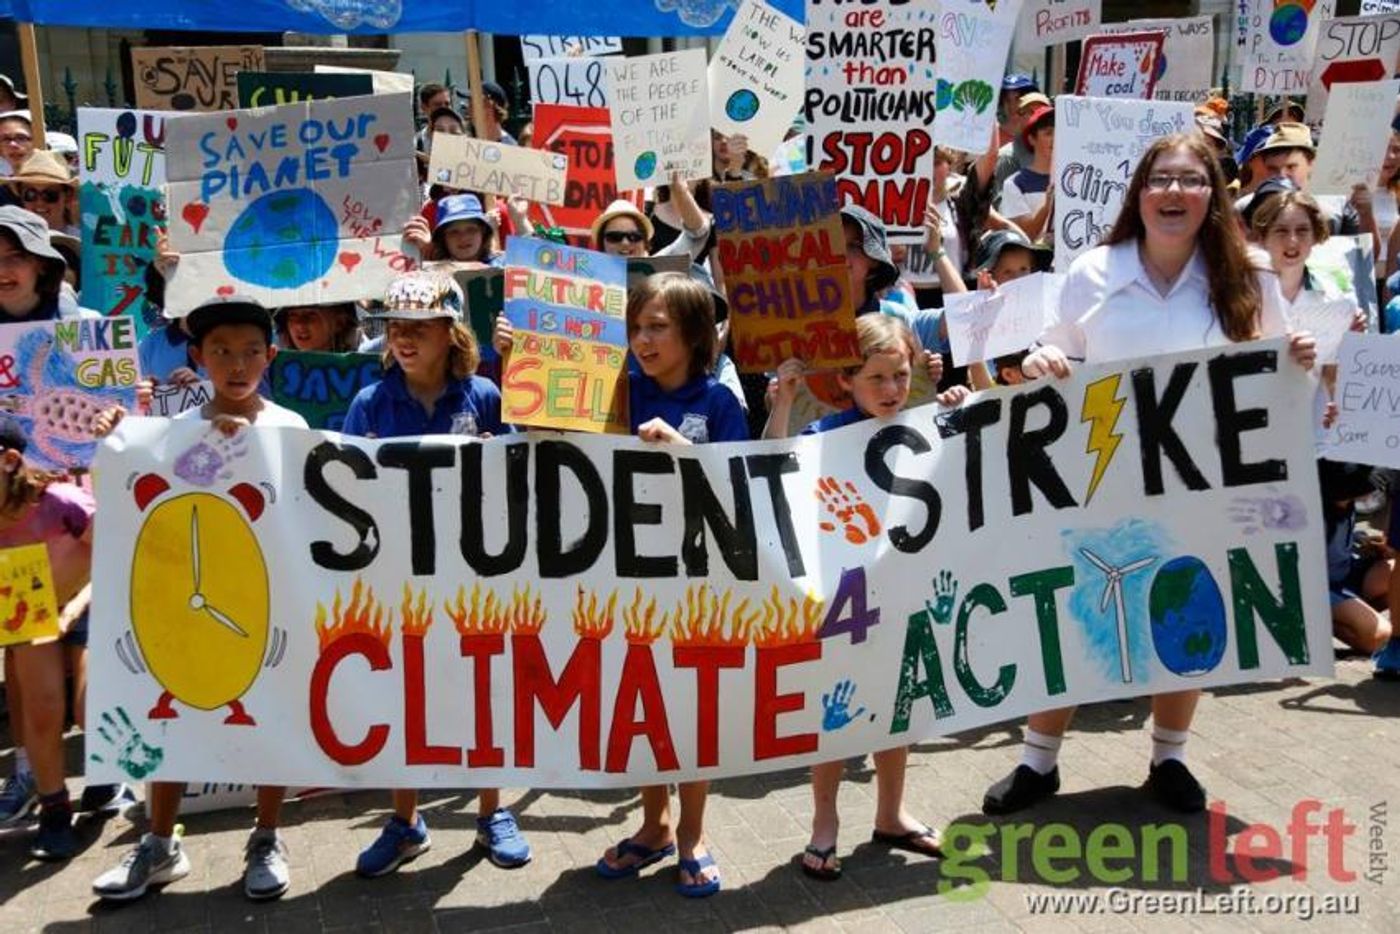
(1183, 69)
(660, 110)
(1054, 22)
(272, 89)
(1276, 43)
(1367, 430)
(871, 101)
(57, 376)
(320, 386)
(1327, 321)
(294, 205)
(1353, 146)
(584, 136)
(756, 76)
(1347, 264)
(619, 587)
(484, 290)
(1098, 142)
(121, 204)
(985, 325)
(170, 399)
(383, 82)
(1122, 65)
(470, 164)
(192, 79)
(1352, 49)
(28, 605)
(783, 254)
(572, 82)
(1372, 7)
(973, 42)
(567, 366)
(534, 48)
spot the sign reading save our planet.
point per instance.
(291, 205)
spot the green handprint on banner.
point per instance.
(135, 757)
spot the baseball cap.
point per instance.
(1019, 81)
(234, 309)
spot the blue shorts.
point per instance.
(1351, 586)
(77, 634)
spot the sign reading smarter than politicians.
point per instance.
(567, 365)
(785, 273)
(660, 107)
(121, 205)
(563, 611)
(534, 48)
(871, 102)
(274, 88)
(1276, 43)
(28, 604)
(203, 78)
(294, 205)
(470, 164)
(57, 376)
(583, 135)
(1098, 142)
(974, 39)
(1123, 65)
(1054, 22)
(1007, 320)
(757, 75)
(1352, 49)
(1353, 147)
(1184, 69)
(572, 82)
(320, 386)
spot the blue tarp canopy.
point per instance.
(506, 17)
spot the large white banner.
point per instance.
(299, 608)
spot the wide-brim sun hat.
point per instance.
(43, 168)
(874, 244)
(32, 232)
(620, 208)
(996, 242)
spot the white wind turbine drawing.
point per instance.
(1113, 590)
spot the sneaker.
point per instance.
(398, 843)
(1387, 661)
(505, 845)
(147, 864)
(1019, 790)
(1171, 784)
(18, 797)
(55, 840)
(106, 800)
(267, 875)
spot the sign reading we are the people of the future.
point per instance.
(579, 610)
(294, 205)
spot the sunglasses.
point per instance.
(47, 195)
(624, 236)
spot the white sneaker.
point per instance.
(147, 864)
(267, 875)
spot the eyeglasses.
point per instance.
(1189, 183)
(47, 195)
(17, 139)
(624, 236)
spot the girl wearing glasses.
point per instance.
(623, 230)
(1172, 275)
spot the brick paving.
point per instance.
(1259, 748)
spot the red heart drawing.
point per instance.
(382, 141)
(232, 123)
(194, 214)
(225, 291)
(349, 260)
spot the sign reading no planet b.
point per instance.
(470, 164)
(294, 205)
(783, 254)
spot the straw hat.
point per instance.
(620, 208)
(43, 168)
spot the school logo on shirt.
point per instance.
(695, 428)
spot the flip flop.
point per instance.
(644, 858)
(697, 889)
(912, 842)
(821, 873)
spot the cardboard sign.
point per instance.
(1185, 68)
(470, 164)
(534, 48)
(973, 42)
(573, 82)
(1372, 7)
(57, 376)
(567, 366)
(294, 205)
(1098, 142)
(1327, 321)
(383, 82)
(1354, 141)
(662, 613)
(584, 136)
(192, 79)
(1276, 43)
(1123, 65)
(756, 76)
(121, 204)
(871, 102)
(272, 89)
(484, 290)
(660, 109)
(1367, 430)
(986, 325)
(785, 275)
(1352, 49)
(1054, 22)
(320, 386)
(28, 604)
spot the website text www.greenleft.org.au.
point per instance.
(1240, 901)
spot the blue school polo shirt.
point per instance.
(835, 420)
(703, 410)
(386, 409)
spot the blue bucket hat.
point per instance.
(1016, 81)
(465, 207)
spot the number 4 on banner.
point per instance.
(851, 590)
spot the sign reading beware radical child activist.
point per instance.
(294, 205)
(586, 611)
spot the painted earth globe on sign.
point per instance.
(1188, 617)
(282, 240)
(1288, 23)
(741, 106)
(646, 165)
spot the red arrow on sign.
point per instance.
(1366, 69)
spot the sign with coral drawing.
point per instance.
(294, 205)
(577, 610)
(28, 605)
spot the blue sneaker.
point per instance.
(1388, 661)
(55, 842)
(18, 797)
(506, 846)
(398, 843)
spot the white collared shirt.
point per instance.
(1110, 310)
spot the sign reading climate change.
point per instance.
(293, 205)
(581, 611)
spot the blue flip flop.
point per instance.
(645, 858)
(697, 889)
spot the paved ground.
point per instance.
(1258, 748)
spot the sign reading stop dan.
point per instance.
(584, 135)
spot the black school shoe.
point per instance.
(1019, 790)
(1171, 784)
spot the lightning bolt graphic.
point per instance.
(1102, 406)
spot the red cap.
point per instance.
(1033, 119)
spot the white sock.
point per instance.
(1168, 744)
(21, 762)
(1040, 751)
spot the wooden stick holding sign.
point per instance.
(471, 164)
(30, 56)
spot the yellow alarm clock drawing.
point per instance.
(200, 605)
